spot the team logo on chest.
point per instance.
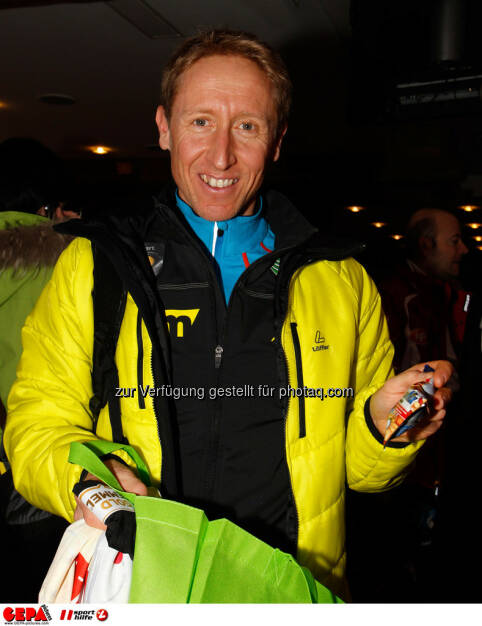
(180, 321)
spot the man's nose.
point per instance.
(222, 149)
(463, 248)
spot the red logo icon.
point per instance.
(66, 614)
(102, 615)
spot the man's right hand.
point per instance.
(127, 480)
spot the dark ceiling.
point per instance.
(351, 140)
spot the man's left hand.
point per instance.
(387, 396)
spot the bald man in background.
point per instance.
(426, 310)
(425, 306)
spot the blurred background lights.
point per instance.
(478, 237)
(100, 149)
(379, 224)
(396, 236)
(474, 225)
(355, 208)
(469, 207)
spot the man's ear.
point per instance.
(427, 244)
(277, 145)
(163, 126)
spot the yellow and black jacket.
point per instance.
(217, 399)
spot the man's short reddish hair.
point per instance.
(229, 43)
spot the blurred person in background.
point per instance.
(426, 309)
(31, 189)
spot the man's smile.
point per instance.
(218, 183)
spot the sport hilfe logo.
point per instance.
(71, 614)
(26, 614)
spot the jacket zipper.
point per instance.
(218, 356)
(285, 431)
(156, 416)
(140, 362)
(299, 376)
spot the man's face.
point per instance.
(220, 135)
(444, 258)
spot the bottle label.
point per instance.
(103, 501)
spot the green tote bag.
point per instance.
(182, 557)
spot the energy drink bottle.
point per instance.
(411, 407)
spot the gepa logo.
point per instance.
(22, 615)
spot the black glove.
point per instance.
(113, 510)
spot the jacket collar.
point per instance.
(291, 229)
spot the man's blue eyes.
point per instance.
(243, 126)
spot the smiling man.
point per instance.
(220, 135)
(218, 287)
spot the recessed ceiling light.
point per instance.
(397, 237)
(355, 208)
(379, 224)
(469, 207)
(479, 247)
(100, 149)
(474, 225)
(478, 237)
(61, 99)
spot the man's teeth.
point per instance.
(218, 182)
